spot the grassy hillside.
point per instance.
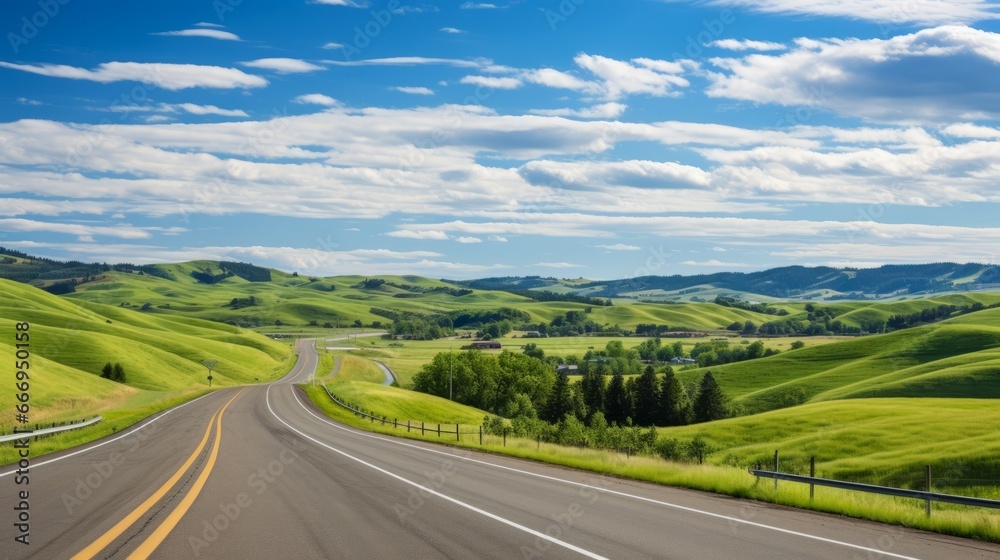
(955, 358)
(70, 341)
(298, 301)
(878, 441)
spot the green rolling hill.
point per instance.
(71, 340)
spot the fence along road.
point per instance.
(287, 482)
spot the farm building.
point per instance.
(484, 344)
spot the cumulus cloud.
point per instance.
(452, 30)
(317, 99)
(601, 111)
(492, 82)
(414, 90)
(167, 76)
(932, 75)
(465, 239)
(747, 45)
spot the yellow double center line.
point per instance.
(154, 540)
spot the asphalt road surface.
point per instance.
(256, 472)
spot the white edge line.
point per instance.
(608, 491)
(124, 435)
(495, 517)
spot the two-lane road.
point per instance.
(256, 472)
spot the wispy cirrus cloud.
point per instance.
(165, 75)
(201, 32)
(283, 65)
(923, 12)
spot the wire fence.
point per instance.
(411, 426)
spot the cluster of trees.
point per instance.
(523, 385)
(508, 384)
(931, 315)
(370, 283)
(720, 352)
(246, 271)
(114, 372)
(544, 295)
(208, 277)
(456, 292)
(737, 303)
(240, 303)
(573, 323)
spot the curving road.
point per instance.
(256, 472)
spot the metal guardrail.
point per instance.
(885, 490)
(53, 430)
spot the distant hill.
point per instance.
(793, 282)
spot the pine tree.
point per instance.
(118, 373)
(646, 397)
(107, 371)
(616, 406)
(711, 403)
(560, 401)
(593, 387)
(673, 405)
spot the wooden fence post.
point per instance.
(927, 477)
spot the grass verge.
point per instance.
(959, 521)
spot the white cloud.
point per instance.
(875, 78)
(317, 99)
(478, 6)
(717, 264)
(26, 101)
(209, 33)
(498, 239)
(549, 77)
(602, 111)
(346, 3)
(206, 24)
(411, 61)
(557, 265)
(926, 12)
(424, 234)
(283, 65)
(619, 247)
(414, 90)
(167, 76)
(32, 226)
(468, 240)
(155, 119)
(640, 76)
(969, 130)
(452, 30)
(210, 110)
(492, 82)
(332, 45)
(747, 45)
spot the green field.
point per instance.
(876, 441)
(955, 358)
(70, 341)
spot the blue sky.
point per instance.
(467, 139)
